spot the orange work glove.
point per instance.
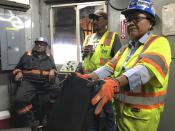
(83, 76)
(105, 94)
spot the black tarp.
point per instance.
(72, 110)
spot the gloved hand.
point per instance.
(52, 75)
(18, 76)
(83, 76)
(105, 94)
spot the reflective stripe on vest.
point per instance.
(147, 102)
(145, 107)
(115, 60)
(107, 42)
(147, 44)
(103, 61)
(157, 61)
(108, 38)
(29, 53)
(38, 72)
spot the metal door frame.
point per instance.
(78, 7)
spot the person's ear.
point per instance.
(150, 26)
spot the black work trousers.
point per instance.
(29, 93)
(28, 90)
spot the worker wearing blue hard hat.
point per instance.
(142, 6)
(137, 77)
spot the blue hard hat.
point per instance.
(140, 5)
(42, 39)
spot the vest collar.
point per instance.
(97, 34)
(141, 41)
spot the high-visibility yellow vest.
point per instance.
(140, 110)
(102, 51)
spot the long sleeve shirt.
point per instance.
(136, 76)
(36, 61)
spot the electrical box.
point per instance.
(22, 5)
(12, 40)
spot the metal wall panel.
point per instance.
(168, 116)
(12, 41)
(4, 99)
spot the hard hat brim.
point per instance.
(93, 16)
(129, 11)
(42, 42)
(98, 14)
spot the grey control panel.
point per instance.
(70, 66)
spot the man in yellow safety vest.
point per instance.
(99, 48)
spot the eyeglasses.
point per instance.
(134, 19)
(40, 44)
(97, 18)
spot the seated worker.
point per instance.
(99, 48)
(37, 71)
